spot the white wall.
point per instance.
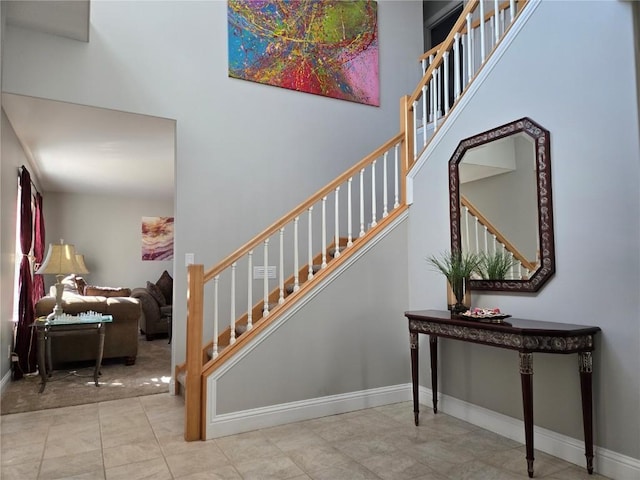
(246, 153)
(107, 231)
(592, 114)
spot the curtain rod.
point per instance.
(32, 184)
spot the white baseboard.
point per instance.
(5, 381)
(264, 417)
(605, 462)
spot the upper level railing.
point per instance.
(244, 293)
(450, 67)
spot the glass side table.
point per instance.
(82, 324)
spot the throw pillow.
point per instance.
(165, 284)
(69, 284)
(155, 292)
(80, 285)
(92, 290)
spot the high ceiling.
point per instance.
(83, 149)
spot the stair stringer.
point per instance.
(469, 93)
(221, 424)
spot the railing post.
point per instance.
(193, 383)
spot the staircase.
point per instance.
(245, 294)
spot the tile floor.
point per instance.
(142, 438)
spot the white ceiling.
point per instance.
(83, 149)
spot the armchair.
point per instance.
(156, 301)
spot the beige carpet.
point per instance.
(150, 374)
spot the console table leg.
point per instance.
(100, 352)
(526, 376)
(42, 367)
(433, 347)
(413, 343)
(586, 369)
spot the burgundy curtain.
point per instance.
(38, 248)
(25, 341)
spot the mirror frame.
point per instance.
(542, 149)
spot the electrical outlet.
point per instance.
(259, 272)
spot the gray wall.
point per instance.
(350, 337)
(245, 153)
(107, 231)
(547, 74)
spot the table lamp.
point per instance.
(60, 261)
(83, 270)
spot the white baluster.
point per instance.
(466, 223)
(250, 292)
(373, 194)
(310, 244)
(216, 281)
(456, 65)
(469, 49)
(446, 82)
(486, 239)
(265, 283)
(296, 261)
(482, 39)
(502, 23)
(438, 78)
(337, 225)
(362, 202)
(432, 97)
(324, 232)
(512, 9)
(281, 273)
(396, 169)
(232, 324)
(424, 65)
(425, 118)
(496, 20)
(415, 128)
(349, 214)
(477, 225)
(385, 189)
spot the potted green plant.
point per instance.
(457, 267)
(494, 266)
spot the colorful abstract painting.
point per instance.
(324, 47)
(157, 238)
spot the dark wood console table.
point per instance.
(525, 336)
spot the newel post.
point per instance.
(193, 384)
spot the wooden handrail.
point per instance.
(493, 230)
(209, 274)
(444, 46)
(429, 52)
(488, 16)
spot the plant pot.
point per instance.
(458, 296)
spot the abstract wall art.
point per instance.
(327, 47)
(157, 238)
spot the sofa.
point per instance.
(121, 335)
(156, 301)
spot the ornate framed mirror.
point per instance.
(501, 207)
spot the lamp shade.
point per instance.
(60, 259)
(83, 267)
